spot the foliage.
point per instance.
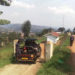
(5, 2)
(6, 55)
(58, 65)
(8, 37)
(41, 39)
(2, 22)
(26, 28)
(74, 30)
(68, 30)
(61, 29)
(45, 31)
(12, 36)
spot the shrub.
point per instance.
(58, 64)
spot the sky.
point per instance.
(56, 13)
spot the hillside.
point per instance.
(17, 28)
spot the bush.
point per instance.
(58, 64)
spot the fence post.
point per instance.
(42, 45)
(15, 41)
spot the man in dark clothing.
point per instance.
(71, 40)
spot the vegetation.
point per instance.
(6, 54)
(12, 36)
(5, 2)
(68, 30)
(2, 22)
(6, 38)
(41, 39)
(26, 28)
(61, 29)
(58, 65)
(74, 30)
(45, 31)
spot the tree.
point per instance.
(3, 21)
(26, 28)
(68, 30)
(12, 36)
(5, 2)
(44, 31)
(61, 29)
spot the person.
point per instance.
(71, 40)
(18, 49)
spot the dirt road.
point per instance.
(20, 69)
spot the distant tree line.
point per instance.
(3, 21)
(45, 31)
(7, 38)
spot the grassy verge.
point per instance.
(58, 65)
(41, 39)
(6, 54)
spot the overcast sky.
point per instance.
(41, 12)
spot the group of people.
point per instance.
(71, 40)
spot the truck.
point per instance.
(29, 52)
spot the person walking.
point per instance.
(71, 40)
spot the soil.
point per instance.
(20, 69)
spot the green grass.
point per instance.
(58, 64)
(6, 54)
(41, 39)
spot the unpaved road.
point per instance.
(20, 69)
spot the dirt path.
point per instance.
(20, 69)
(72, 48)
(72, 59)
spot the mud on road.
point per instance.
(20, 69)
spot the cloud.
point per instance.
(22, 4)
(62, 10)
(16, 14)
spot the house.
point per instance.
(53, 37)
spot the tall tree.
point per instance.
(26, 28)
